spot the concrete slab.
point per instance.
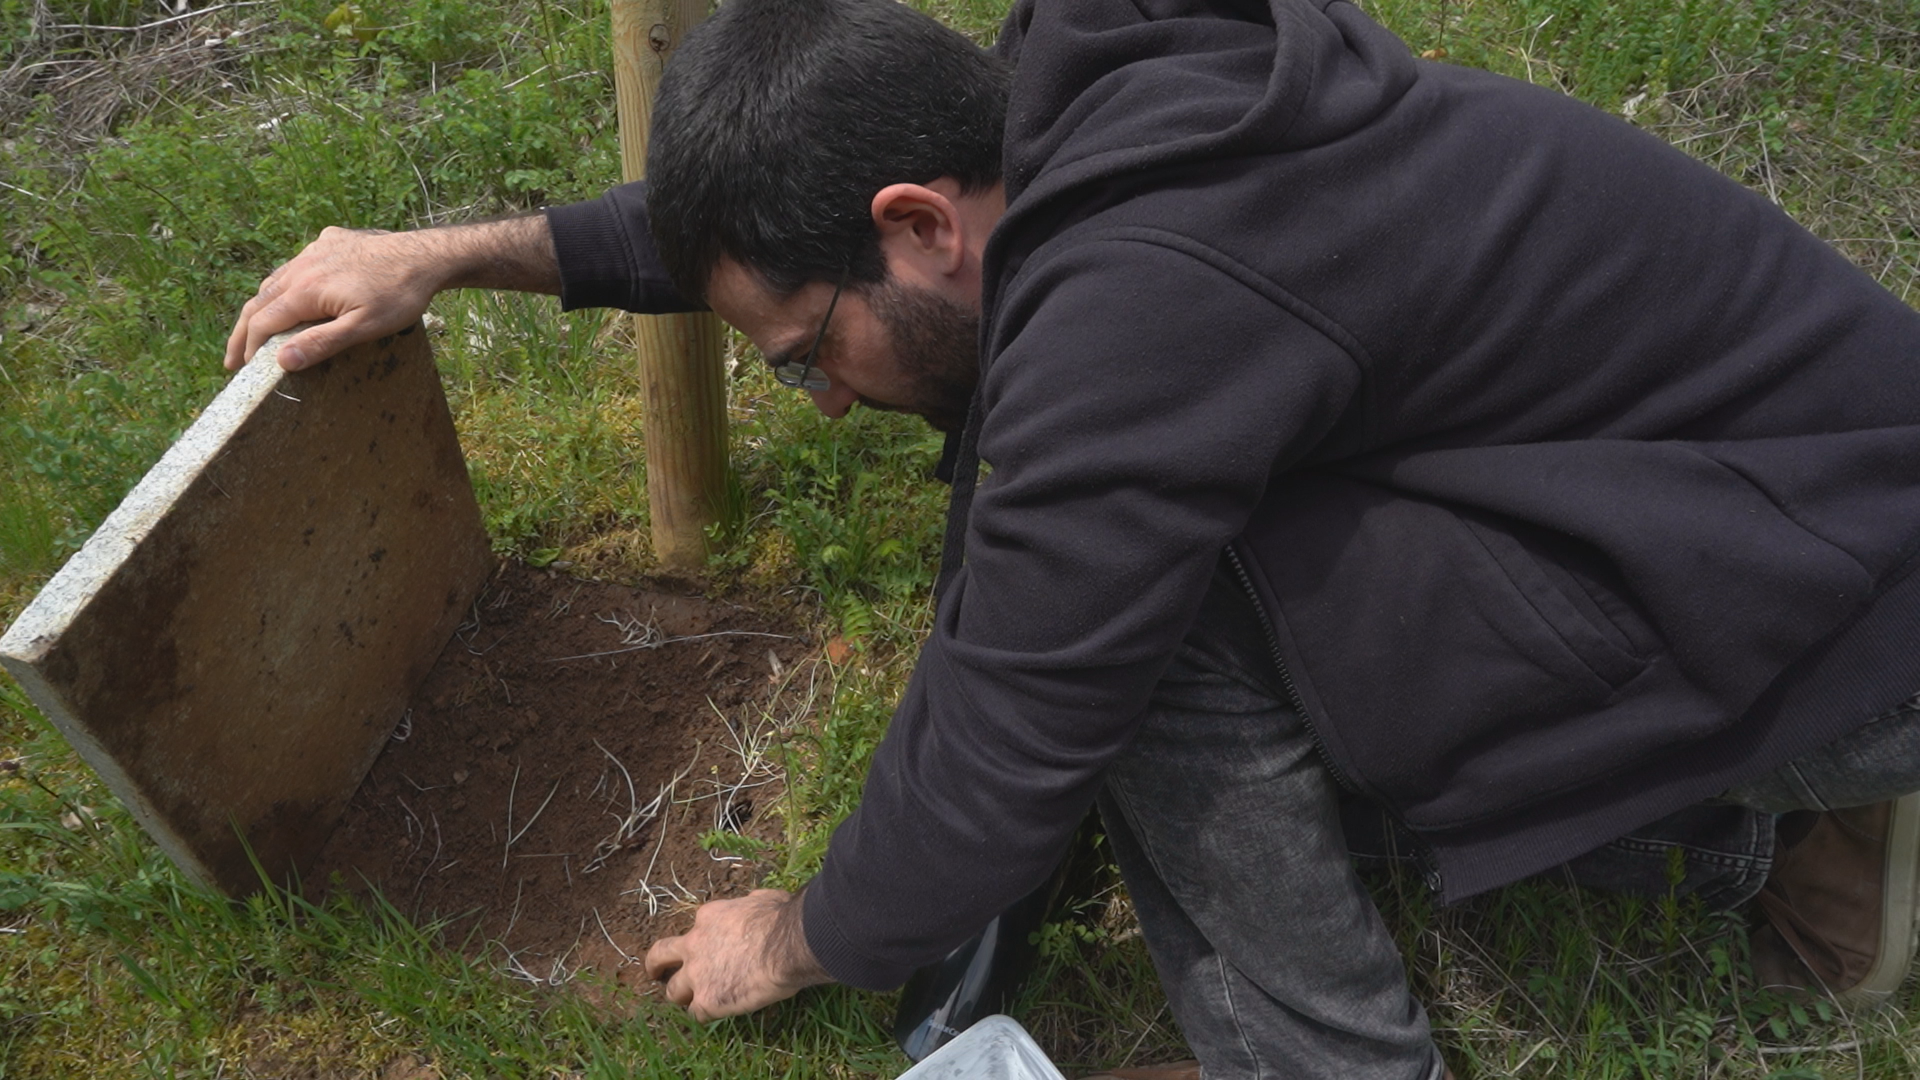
(238, 640)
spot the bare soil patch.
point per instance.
(550, 787)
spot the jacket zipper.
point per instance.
(1423, 855)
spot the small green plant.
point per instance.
(726, 842)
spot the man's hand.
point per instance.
(370, 283)
(741, 955)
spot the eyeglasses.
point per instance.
(801, 376)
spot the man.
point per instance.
(1362, 430)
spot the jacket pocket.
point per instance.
(1595, 641)
(1450, 673)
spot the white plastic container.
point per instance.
(996, 1048)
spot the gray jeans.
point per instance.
(1228, 830)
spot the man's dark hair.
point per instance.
(778, 120)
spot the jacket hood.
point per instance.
(1104, 88)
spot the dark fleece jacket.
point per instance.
(1576, 482)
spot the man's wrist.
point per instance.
(798, 967)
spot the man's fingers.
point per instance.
(237, 344)
(664, 959)
(667, 966)
(311, 346)
(240, 346)
(680, 988)
(266, 321)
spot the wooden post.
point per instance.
(681, 379)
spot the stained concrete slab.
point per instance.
(234, 645)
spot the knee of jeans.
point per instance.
(1877, 761)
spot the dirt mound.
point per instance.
(550, 786)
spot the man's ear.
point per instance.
(920, 229)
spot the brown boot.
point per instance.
(1841, 905)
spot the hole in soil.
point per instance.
(550, 785)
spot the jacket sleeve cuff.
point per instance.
(836, 953)
(604, 248)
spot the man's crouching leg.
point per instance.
(1225, 825)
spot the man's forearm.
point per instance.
(513, 253)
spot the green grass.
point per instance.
(143, 196)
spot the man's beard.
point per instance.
(936, 342)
